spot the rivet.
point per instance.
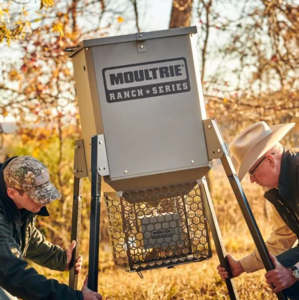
(100, 168)
(141, 46)
(77, 147)
(125, 171)
(218, 150)
(192, 161)
(140, 34)
(100, 142)
(209, 126)
(86, 48)
(75, 171)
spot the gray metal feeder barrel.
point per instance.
(142, 92)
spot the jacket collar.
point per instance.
(286, 174)
(284, 180)
(10, 209)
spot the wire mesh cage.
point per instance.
(158, 227)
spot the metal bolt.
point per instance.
(141, 46)
(209, 126)
(192, 161)
(218, 150)
(100, 142)
(125, 171)
(100, 168)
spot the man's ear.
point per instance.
(11, 193)
(271, 160)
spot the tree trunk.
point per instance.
(181, 13)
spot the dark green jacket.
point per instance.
(286, 197)
(20, 239)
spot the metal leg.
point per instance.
(94, 237)
(76, 232)
(214, 226)
(80, 171)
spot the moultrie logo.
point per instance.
(146, 80)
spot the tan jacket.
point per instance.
(280, 240)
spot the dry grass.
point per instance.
(195, 280)
(192, 281)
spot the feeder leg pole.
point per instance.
(94, 237)
(76, 232)
(216, 233)
(245, 207)
(80, 171)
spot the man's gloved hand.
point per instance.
(69, 253)
(235, 267)
(89, 294)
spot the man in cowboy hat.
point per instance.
(257, 151)
(25, 190)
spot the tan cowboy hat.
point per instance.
(253, 143)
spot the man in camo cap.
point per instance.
(25, 190)
(27, 174)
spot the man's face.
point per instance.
(265, 172)
(22, 200)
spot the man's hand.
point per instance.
(89, 294)
(280, 278)
(235, 267)
(69, 253)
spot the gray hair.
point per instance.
(277, 149)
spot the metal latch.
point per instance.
(141, 42)
(214, 146)
(103, 168)
(80, 166)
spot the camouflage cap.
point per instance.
(31, 176)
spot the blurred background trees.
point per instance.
(247, 56)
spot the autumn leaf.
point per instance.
(66, 72)
(55, 73)
(25, 13)
(37, 20)
(58, 27)
(14, 75)
(6, 11)
(46, 4)
(120, 19)
(5, 34)
(35, 152)
(1, 15)
(4, 113)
